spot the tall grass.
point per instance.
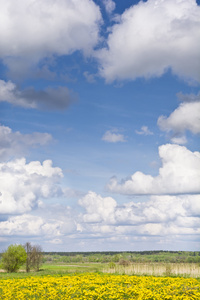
(156, 269)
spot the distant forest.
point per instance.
(116, 256)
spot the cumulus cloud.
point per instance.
(15, 143)
(152, 37)
(97, 207)
(185, 117)
(28, 225)
(160, 215)
(109, 6)
(22, 184)
(50, 98)
(112, 136)
(179, 174)
(32, 30)
(144, 131)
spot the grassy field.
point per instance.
(58, 269)
(155, 269)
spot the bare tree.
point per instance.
(36, 257)
(28, 247)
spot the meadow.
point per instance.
(99, 277)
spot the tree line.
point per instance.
(17, 255)
(116, 257)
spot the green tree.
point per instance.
(13, 258)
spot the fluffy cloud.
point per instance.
(28, 225)
(22, 184)
(50, 98)
(144, 131)
(98, 208)
(112, 136)
(15, 143)
(33, 29)
(185, 117)
(151, 37)
(179, 174)
(161, 215)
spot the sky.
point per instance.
(100, 124)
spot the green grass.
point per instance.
(74, 267)
(156, 269)
(58, 269)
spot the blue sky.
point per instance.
(99, 124)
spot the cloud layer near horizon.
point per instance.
(160, 216)
(29, 225)
(168, 38)
(171, 216)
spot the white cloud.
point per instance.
(34, 29)
(160, 215)
(21, 225)
(109, 6)
(144, 131)
(179, 174)
(112, 136)
(102, 218)
(185, 117)
(15, 143)
(152, 37)
(181, 140)
(50, 98)
(28, 225)
(22, 184)
(167, 230)
(97, 207)
(56, 241)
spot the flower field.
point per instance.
(99, 286)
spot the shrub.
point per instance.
(124, 262)
(13, 258)
(112, 265)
